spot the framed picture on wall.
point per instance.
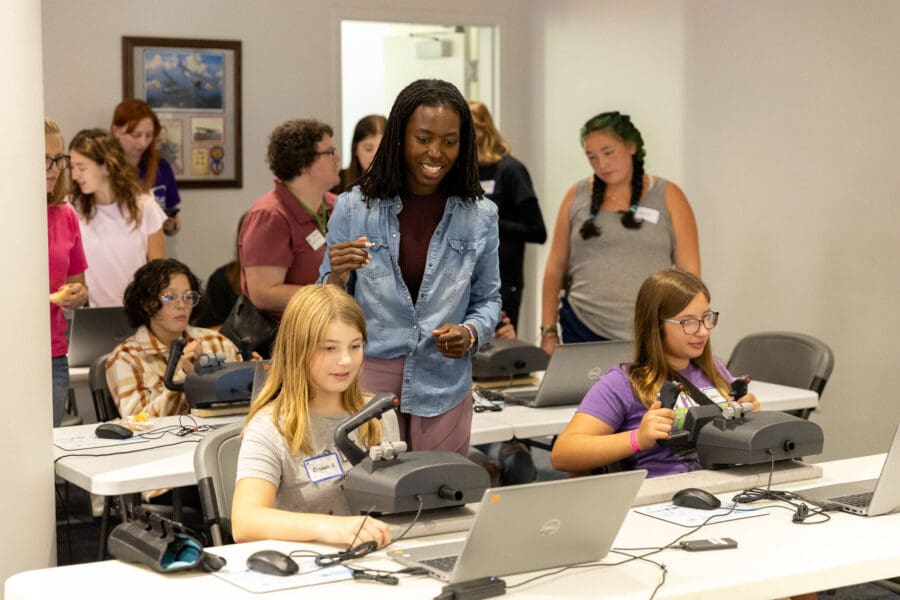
(194, 86)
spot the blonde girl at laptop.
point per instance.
(289, 471)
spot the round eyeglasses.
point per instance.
(692, 326)
(62, 161)
(191, 297)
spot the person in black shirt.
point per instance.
(506, 181)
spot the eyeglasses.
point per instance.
(330, 152)
(692, 326)
(191, 297)
(62, 161)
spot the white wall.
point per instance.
(27, 508)
(791, 129)
(291, 68)
(589, 57)
(779, 121)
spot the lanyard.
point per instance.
(321, 215)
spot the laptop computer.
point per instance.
(572, 370)
(260, 375)
(95, 332)
(534, 526)
(870, 497)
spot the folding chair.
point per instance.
(785, 358)
(215, 464)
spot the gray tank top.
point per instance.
(607, 271)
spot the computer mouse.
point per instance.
(113, 431)
(696, 498)
(272, 562)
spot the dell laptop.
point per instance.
(869, 498)
(572, 370)
(95, 332)
(534, 526)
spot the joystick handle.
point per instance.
(669, 393)
(175, 352)
(739, 387)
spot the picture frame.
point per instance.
(194, 87)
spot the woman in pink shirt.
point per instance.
(67, 263)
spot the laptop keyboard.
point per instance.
(858, 500)
(442, 563)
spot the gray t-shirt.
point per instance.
(265, 455)
(608, 271)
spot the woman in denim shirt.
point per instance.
(416, 245)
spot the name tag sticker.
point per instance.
(645, 213)
(323, 467)
(488, 187)
(315, 239)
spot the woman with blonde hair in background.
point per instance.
(67, 262)
(507, 182)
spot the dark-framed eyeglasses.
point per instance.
(62, 161)
(191, 297)
(692, 326)
(330, 152)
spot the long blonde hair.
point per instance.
(492, 146)
(289, 387)
(61, 189)
(662, 296)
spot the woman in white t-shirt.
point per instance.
(121, 227)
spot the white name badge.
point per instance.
(323, 467)
(714, 395)
(488, 186)
(315, 239)
(645, 213)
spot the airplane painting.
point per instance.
(184, 79)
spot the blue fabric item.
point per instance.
(573, 330)
(461, 284)
(182, 553)
(165, 189)
(59, 369)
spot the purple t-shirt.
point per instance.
(165, 189)
(612, 400)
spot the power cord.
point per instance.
(360, 550)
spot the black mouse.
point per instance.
(272, 562)
(113, 431)
(696, 498)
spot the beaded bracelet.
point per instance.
(472, 334)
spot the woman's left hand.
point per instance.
(76, 296)
(751, 398)
(452, 340)
(172, 225)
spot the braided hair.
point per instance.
(619, 126)
(386, 176)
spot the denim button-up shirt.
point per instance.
(461, 284)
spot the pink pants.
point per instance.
(448, 431)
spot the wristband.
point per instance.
(634, 442)
(472, 334)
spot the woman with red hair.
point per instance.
(137, 128)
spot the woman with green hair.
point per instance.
(612, 231)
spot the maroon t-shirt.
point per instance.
(274, 235)
(418, 220)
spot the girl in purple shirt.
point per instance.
(620, 418)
